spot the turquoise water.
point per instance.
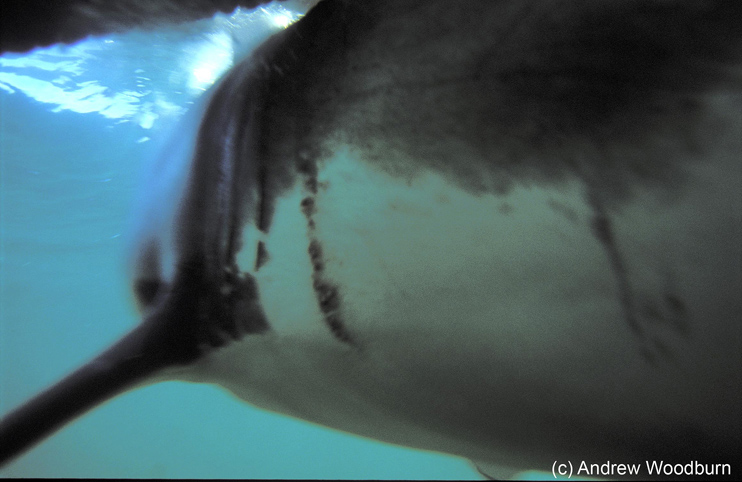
(77, 129)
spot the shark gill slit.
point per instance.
(327, 293)
(263, 218)
(262, 256)
(230, 305)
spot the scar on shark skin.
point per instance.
(327, 292)
(673, 314)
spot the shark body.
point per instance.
(516, 242)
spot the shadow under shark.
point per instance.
(516, 241)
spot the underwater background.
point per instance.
(78, 127)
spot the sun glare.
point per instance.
(282, 20)
(210, 60)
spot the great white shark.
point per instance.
(508, 231)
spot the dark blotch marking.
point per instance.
(672, 312)
(678, 313)
(668, 312)
(602, 230)
(309, 169)
(312, 185)
(307, 166)
(262, 256)
(307, 206)
(564, 210)
(338, 328)
(675, 304)
(505, 208)
(327, 293)
(315, 255)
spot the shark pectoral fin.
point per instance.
(150, 347)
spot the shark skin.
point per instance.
(516, 242)
(576, 237)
